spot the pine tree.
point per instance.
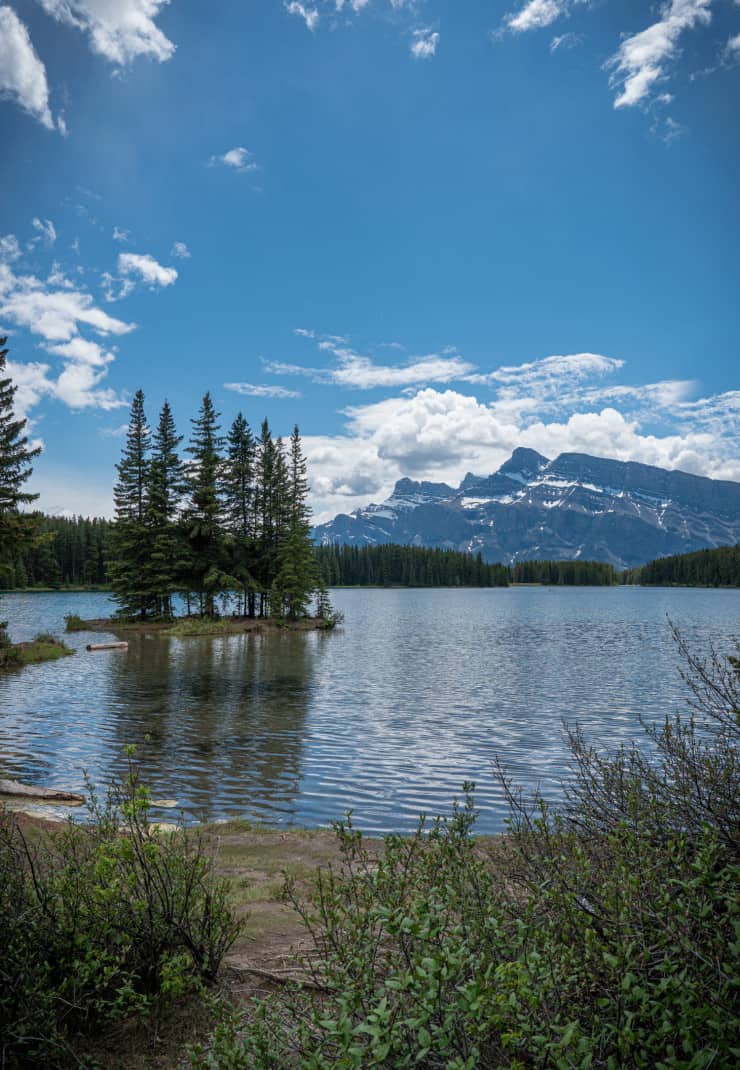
(131, 537)
(164, 490)
(239, 508)
(17, 529)
(204, 514)
(298, 574)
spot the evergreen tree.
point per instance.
(239, 508)
(204, 513)
(17, 529)
(131, 536)
(164, 490)
(298, 576)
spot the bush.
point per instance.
(9, 655)
(604, 935)
(101, 922)
(73, 623)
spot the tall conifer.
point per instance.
(17, 529)
(163, 493)
(131, 538)
(298, 574)
(239, 506)
(204, 513)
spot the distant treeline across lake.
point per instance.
(72, 552)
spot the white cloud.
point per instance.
(566, 40)
(22, 74)
(46, 229)
(119, 234)
(240, 159)
(10, 249)
(180, 250)
(147, 269)
(356, 5)
(535, 15)
(554, 405)
(732, 48)
(639, 64)
(359, 372)
(55, 311)
(53, 314)
(310, 15)
(119, 30)
(442, 435)
(256, 391)
(32, 385)
(424, 44)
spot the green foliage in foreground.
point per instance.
(99, 923)
(603, 936)
(702, 568)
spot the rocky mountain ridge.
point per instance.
(575, 506)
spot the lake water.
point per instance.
(387, 716)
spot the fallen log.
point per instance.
(107, 646)
(28, 791)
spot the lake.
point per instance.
(387, 716)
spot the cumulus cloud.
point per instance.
(56, 312)
(239, 158)
(424, 44)
(555, 404)
(180, 250)
(639, 64)
(310, 15)
(22, 74)
(258, 391)
(118, 30)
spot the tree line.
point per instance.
(228, 520)
(565, 573)
(406, 566)
(700, 568)
(67, 552)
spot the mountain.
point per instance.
(575, 506)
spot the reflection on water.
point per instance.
(387, 716)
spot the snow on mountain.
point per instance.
(575, 506)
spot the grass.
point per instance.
(42, 648)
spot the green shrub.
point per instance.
(605, 935)
(101, 922)
(10, 655)
(73, 623)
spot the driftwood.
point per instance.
(27, 791)
(107, 646)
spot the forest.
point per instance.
(702, 568)
(68, 552)
(406, 566)
(565, 573)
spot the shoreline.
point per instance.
(194, 627)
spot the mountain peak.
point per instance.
(525, 462)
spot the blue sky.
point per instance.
(427, 231)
